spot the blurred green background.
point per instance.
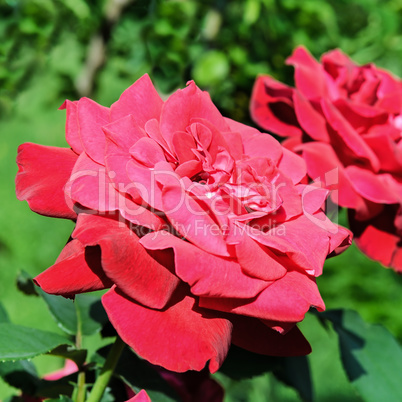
(51, 50)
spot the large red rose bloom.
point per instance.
(196, 223)
(346, 122)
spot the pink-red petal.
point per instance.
(287, 299)
(292, 165)
(77, 270)
(388, 153)
(263, 146)
(187, 104)
(309, 74)
(344, 136)
(208, 275)
(142, 396)
(271, 107)
(181, 337)
(312, 122)
(126, 262)
(147, 152)
(72, 129)
(91, 117)
(258, 261)
(192, 221)
(379, 238)
(251, 334)
(323, 165)
(42, 174)
(141, 100)
(378, 188)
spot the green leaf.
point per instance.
(19, 342)
(371, 356)
(295, 372)
(85, 311)
(62, 310)
(13, 398)
(3, 314)
(328, 375)
(240, 364)
(20, 374)
(79, 7)
(139, 374)
(92, 314)
(211, 68)
(25, 284)
(61, 398)
(78, 356)
(57, 388)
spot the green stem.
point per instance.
(80, 387)
(107, 371)
(80, 392)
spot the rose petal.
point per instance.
(148, 182)
(339, 237)
(193, 386)
(89, 186)
(312, 122)
(244, 130)
(271, 107)
(309, 74)
(347, 138)
(42, 173)
(120, 137)
(183, 143)
(142, 396)
(133, 100)
(124, 133)
(313, 197)
(147, 152)
(181, 337)
(251, 334)
(258, 261)
(291, 201)
(263, 146)
(389, 93)
(292, 165)
(378, 237)
(207, 274)
(308, 252)
(207, 133)
(192, 221)
(301, 293)
(334, 59)
(187, 104)
(91, 117)
(72, 129)
(362, 117)
(152, 128)
(126, 262)
(69, 368)
(387, 151)
(77, 270)
(324, 166)
(379, 188)
(189, 168)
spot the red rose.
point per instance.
(346, 121)
(191, 386)
(142, 396)
(198, 224)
